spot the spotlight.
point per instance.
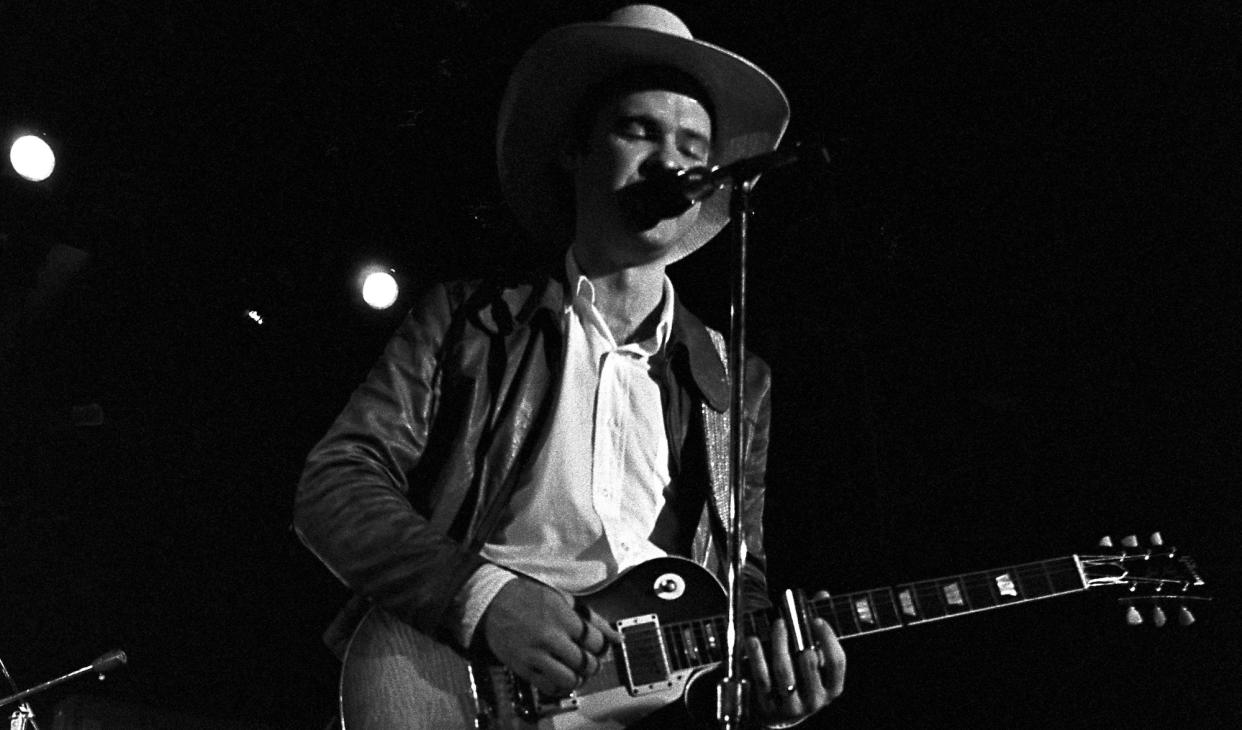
(32, 158)
(380, 289)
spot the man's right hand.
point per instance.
(535, 631)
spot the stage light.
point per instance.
(380, 289)
(255, 317)
(32, 158)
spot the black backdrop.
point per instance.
(1003, 323)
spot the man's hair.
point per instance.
(640, 78)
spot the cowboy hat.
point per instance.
(751, 111)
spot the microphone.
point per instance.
(107, 662)
(670, 192)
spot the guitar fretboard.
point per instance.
(696, 643)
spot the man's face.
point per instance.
(636, 136)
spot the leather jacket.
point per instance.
(411, 479)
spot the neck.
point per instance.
(629, 297)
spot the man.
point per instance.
(523, 440)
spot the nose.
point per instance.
(663, 160)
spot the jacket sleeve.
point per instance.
(353, 506)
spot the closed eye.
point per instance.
(635, 128)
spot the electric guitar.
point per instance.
(671, 615)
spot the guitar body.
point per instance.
(394, 676)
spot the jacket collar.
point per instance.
(544, 293)
(707, 370)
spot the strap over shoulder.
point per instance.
(716, 429)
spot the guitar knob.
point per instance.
(1106, 541)
(1157, 616)
(1130, 541)
(1133, 617)
(1184, 616)
(1157, 540)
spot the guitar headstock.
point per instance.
(1158, 579)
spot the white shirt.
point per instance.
(586, 507)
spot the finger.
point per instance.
(592, 638)
(782, 664)
(784, 680)
(831, 658)
(811, 688)
(588, 666)
(551, 676)
(608, 635)
(758, 665)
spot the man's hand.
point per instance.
(790, 687)
(535, 631)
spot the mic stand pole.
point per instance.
(731, 692)
(23, 714)
(105, 663)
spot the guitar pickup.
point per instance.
(644, 655)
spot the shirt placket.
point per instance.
(608, 455)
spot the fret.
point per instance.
(910, 608)
(980, 591)
(853, 612)
(828, 611)
(1066, 578)
(954, 596)
(1043, 569)
(702, 650)
(929, 599)
(843, 609)
(676, 648)
(1026, 589)
(715, 639)
(886, 614)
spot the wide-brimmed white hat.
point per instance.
(751, 111)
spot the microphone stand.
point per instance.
(23, 713)
(731, 692)
(105, 663)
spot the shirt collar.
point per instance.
(580, 287)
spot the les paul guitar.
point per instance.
(671, 615)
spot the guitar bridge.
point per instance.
(643, 654)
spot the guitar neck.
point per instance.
(700, 642)
(908, 604)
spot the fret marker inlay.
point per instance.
(862, 608)
(953, 594)
(907, 603)
(1005, 584)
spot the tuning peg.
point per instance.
(1184, 616)
(1157, 540)
(1157, 616)
(1106, 541)
(1130, 541)
(1133, 617)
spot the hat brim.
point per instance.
(751, 114)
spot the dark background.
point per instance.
(1003, 324)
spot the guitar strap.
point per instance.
(716, 432)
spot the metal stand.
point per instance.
(105, 663)
(23, 716)
(731, 692)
